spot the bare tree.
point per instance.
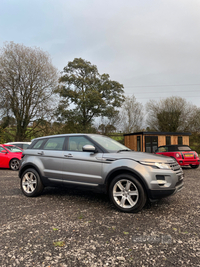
(131, 115)
(27, 83)
(172, 114)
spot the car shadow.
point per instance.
(74, 191)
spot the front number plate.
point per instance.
(188, 155)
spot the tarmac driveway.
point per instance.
(81, 228)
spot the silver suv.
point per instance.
(130, 178)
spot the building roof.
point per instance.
(158, 133)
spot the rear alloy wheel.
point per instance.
(31, 184)
(14, 164)
(127, 193)
(194, 166)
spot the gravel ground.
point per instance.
(81, 228)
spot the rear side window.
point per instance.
(38, 144)
(55, 143)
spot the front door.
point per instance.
(151, 143)
(80, 166)
(4, 159)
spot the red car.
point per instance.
(183, 154)
(10, 157)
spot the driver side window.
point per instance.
(1, 148)
(76, 143)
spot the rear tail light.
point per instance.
(178, 155)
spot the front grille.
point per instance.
(175, 166)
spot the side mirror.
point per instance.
(89, 148)
(4, 151)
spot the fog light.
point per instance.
(160, 177)
(161, 180)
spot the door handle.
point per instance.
(69, 156)
(40, 153)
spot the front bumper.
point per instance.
(161, 193)
(163, 183)
(183, 162)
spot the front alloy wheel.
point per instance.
(127, 193)
(31, 184)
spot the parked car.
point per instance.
(10, 157)
(129, 177)
(22, 145)
(183, 154)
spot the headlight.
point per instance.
(157, 165)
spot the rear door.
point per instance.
(50, 156)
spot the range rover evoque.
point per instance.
(130, 178)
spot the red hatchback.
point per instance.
(10, 157)
(183, 154)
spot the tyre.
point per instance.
(31, 184)
(14, 164)
(127, 193)
(194, 166)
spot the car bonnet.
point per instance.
(138, 156)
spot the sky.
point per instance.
(152, 47)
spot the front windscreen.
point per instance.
(108, 143)
(13, 148)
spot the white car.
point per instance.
(22, 145)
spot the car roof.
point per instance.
(60, 135)
(10, 143)
(7, 145)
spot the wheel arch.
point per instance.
(29, 166)
(12, 159)
(31, 184)
(126, 170)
